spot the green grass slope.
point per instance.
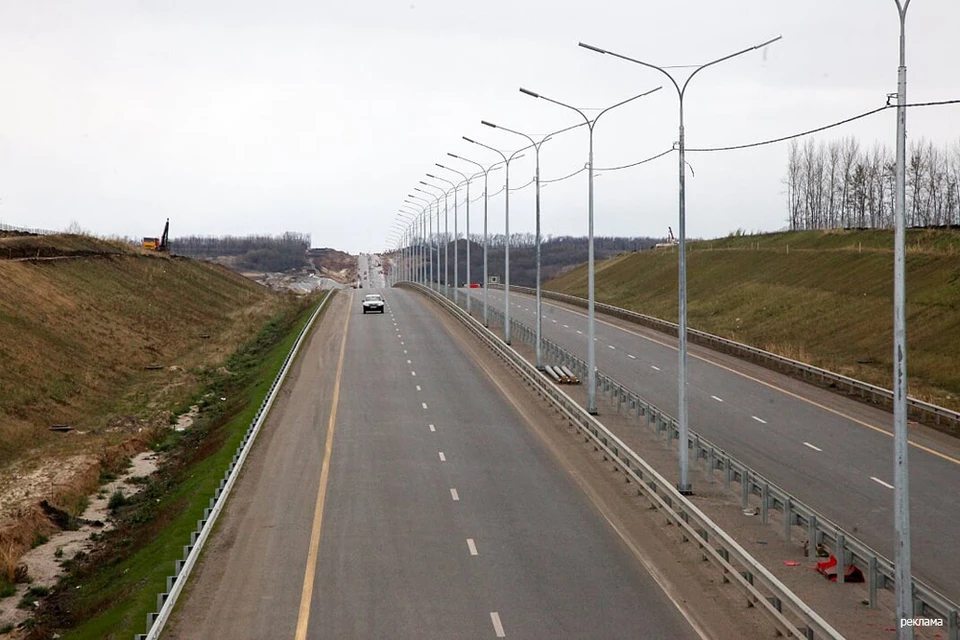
(823, 297)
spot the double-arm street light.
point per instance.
(536, 178)
(486, 191)
(425, 225)
(456, 297)
(591, 347)
(417, 227)
(506, 248)
(446, 262)
(684, 486)
(411, 231)
(456, 237)
(430, 236)
(901, 448)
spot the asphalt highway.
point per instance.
(833, 453)
(397, 495)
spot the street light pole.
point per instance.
(416, 213)
(536, 178)
(591, 342)
(446, 265)
(683, 486)
(456, 261)
(430, 234)
(456, 297)
(428, 266)
(901, 448)
(410, 230)
(486, 193)
(506, 248)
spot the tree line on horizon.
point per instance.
(253, 252)
(841, 184)
(557, 253)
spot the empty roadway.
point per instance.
(434, 512)
(833, 453)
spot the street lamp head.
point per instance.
(489, 124)
(469, 140)
(439, 165)
(430, 175)
(529, 93)
(426, 183)
(453, 155)
(591, 47)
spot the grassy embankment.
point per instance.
(110, 341)
(822, 297)
(109, 594)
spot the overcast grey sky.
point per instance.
(236, 117)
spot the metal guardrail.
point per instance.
(191, 552)
(878, 570)
(764, 589)
(925, 412)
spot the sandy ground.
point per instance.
(44, 561)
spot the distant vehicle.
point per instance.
(372, 302)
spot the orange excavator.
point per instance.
(159, 244)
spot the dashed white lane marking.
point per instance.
(717, 399)
(815, 448)
(761, 421)
(433, 428)
(655, 367)
(418, 388)
(409, 362)
(566, 326)
(472, 546)
(404, 352)
(423, 404)
(879, 481)
(580, 332)
(401, 343)
(413, 373)
(443, 458)
(632, 357)
(611, 346)
(497, 626)
(554, 321)
(454, 495)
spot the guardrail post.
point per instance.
(764, 502)
(787, 518)
(812, 537)
(727, 472)
(872, 580)
(745, 488)
(841, 556)
(953, 625)
(711, 462)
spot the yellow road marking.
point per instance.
(946, 457)
(309, 577)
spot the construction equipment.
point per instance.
(159, 244)
(671, 241)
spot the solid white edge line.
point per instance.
(454, 495)
(497, 625)
(879, 481)
(472, 546)
(815, 448)
(760, 420)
